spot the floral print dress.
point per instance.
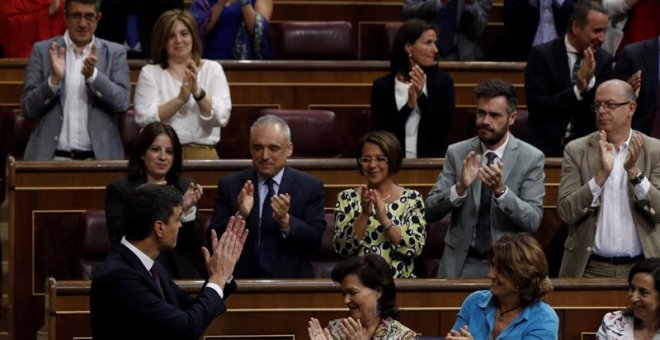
(406, 212)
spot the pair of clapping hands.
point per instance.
(58, 63)
(226, 251)
(279, 203)
(349, 329)
(490, 175)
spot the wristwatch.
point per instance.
(201, 95)
(637, 179)
(244, 2)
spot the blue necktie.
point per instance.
(267, 233)
(483, 238)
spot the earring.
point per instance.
(409, 55)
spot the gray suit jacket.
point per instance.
(520, 210)
(471, 21)
(580, 164)
(108, 94)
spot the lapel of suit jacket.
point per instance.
(593, 155)
(137, 265)
(510, 156)
(288, 183)
(475, 188)
(561, 54)
(641, 164)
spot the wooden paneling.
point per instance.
(282, 307)
(301, 85)
(45, 198)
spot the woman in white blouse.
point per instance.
(641, 320)
(179, 88)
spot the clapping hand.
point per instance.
(586, 70)
(57, 63)
(462, 334)
(316, 332)
(606, 158)
(192, 195)
(246, 199)
(469, 173)
(226, 251)
(89, 64)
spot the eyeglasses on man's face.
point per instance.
(79, 16)
(367, 160)
(609, 106)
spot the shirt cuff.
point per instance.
(595, 192)
(642, 189)
(454, 198)
(499, 200)
(558, 2)
(189, 217)
(53, 87)
(591, 85)
(217, 288)
(93, 77)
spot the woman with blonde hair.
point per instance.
(181, 89)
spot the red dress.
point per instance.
(24, 22)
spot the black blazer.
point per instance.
(185, 261)
(550, 98)
(643, 56)
(125, 302)
(436, 111)
(307, 220)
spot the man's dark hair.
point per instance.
(497, 87)
(581, 11)
(147, 204)
(96, 3)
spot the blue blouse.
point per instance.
(536, 321)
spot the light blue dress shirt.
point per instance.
(536, 321)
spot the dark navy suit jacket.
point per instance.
(307, 221)
(126, 303)
(643, 56)
(550, 98)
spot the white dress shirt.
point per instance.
(572, 53)
(412, 124)
(157, 86)
(75, 104)
(616, 234)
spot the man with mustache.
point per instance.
(492, 184)
(561, 77)
(608, 193)
(282, 207)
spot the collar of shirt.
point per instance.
(277, 179)
(624, 145)
(147, 261)
(499, 152)
(70, 45)
(572, 53)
